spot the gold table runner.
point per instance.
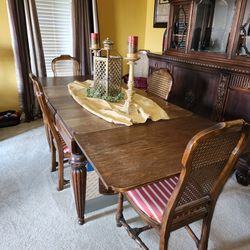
(142, 107)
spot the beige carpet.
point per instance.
(33, 215)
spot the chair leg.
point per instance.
(48, 135)
(132, 232)
(52, 149)
(53, 156)
(119, 211)
(164, 242)
(206, 224)
(60, 172)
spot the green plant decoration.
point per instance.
(92, 92)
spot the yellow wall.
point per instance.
(117, 19)
(8, 84)
(153, 36)
(120, 18)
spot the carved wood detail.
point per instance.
(221, 95)
(240, 81)
(213, 65)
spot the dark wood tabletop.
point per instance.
(129, 157)
(123, 157)
(76, 119)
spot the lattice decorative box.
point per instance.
(107, 74)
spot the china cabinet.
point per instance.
(208, 53)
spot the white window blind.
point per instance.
(56, 29)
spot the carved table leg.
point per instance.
(78, 173)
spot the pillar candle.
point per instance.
(132, 46)
(94, 44)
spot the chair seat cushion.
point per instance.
(66, 149)
(152, 199)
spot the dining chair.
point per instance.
(141, 69)
(160, 83)
(65, 65)
(55, 140)
(184, 198)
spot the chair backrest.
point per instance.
(207, 163)
(160, 83)
(47, 116)
(141, 66)
(65, 65)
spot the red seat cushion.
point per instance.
(152, 199)
(66, 149)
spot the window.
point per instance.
(56, 29)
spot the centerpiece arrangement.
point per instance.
(109, 100)
(107, 72)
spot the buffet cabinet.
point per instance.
(207, 50)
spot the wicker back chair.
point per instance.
(160, 83)
(182, 199)
(56, 142)
(65, 65)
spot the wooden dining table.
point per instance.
(123, 157)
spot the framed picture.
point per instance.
(161, 13)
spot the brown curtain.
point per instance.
(28, 51)
(35, 40)
(82, 19)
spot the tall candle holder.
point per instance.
(127, 107)
(132, 57)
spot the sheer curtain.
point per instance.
(27, 50)
(84, 16)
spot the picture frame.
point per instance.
(161, 13)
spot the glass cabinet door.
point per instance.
(213, 25)
(179, 26)
(244, 39)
